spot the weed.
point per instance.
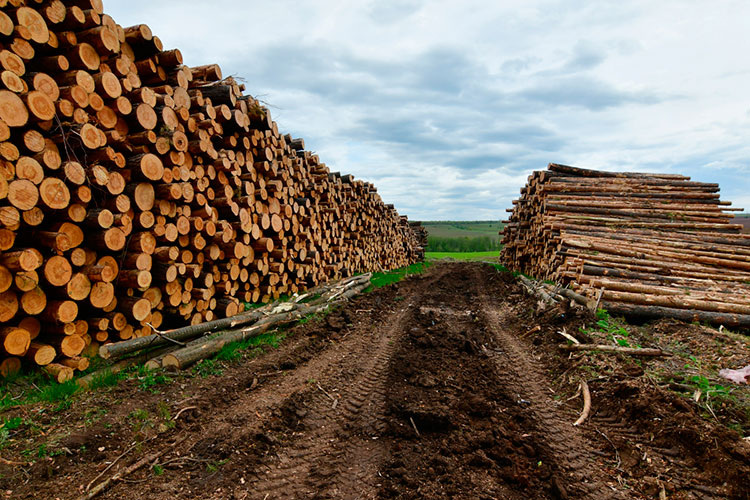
(106, 379)
(158, 470)
(162, 409)
(207, 367)
(612, 328)
(379, 280)
(233, 351)
(151, 379)
(500, 268)
(139, 419)
(93, 415)
(6, 426)
(212, 467)
(58, 392)
(63, 405)
(11, 423)
(41, 451)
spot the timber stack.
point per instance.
(138, 193)
(420, 233)
(641, 245)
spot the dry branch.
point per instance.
(630, 351)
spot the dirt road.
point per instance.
(431, 388)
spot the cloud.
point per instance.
(585, 56)
(447, 107)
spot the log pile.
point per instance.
(420, 232)
(138, 193)
(641, 245)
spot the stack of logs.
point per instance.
(138, 193)
(641, 245)
(420, 232)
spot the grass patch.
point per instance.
(614, 329)
(106, 379)
(379, 280)
(499, 267)
(491, 255)
(55, 393)
(207, 367)
(233, 351)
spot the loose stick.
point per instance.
(631, 351)
(104, 485)
(586, 404)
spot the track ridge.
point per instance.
(346, 410)
(526, 380)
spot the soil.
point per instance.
(446, 385)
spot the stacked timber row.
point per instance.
(137, 193)
(420, 232)
(644, 245)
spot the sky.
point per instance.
(448, 106)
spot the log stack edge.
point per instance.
(641, 245)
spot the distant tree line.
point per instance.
(465, 244)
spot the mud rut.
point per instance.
(435, 399)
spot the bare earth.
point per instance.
(437, 387)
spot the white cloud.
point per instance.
(447, 106)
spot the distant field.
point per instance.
(463, 255)
(463, 236)
(463, 229)
(743, 219)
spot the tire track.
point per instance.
(339, 449)
(525, 380)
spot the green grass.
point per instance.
(106, 379)
(379, 280)
(233, 351)
(491, 255)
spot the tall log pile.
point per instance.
(420, 233)
(136, 192)
(643, 245)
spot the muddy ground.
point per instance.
(449, 384)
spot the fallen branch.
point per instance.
(205, 347)
(104, 485)
(570, 294)
(536, 290)
(630, 351)
(568, 336)
(86, 380)
(177, 335)
(88, 486)
(184, 410)
(414, 425)
(586, 404)
(11, 462)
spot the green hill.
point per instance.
(461, 229)
(463, 236)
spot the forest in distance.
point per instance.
(463, 236)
